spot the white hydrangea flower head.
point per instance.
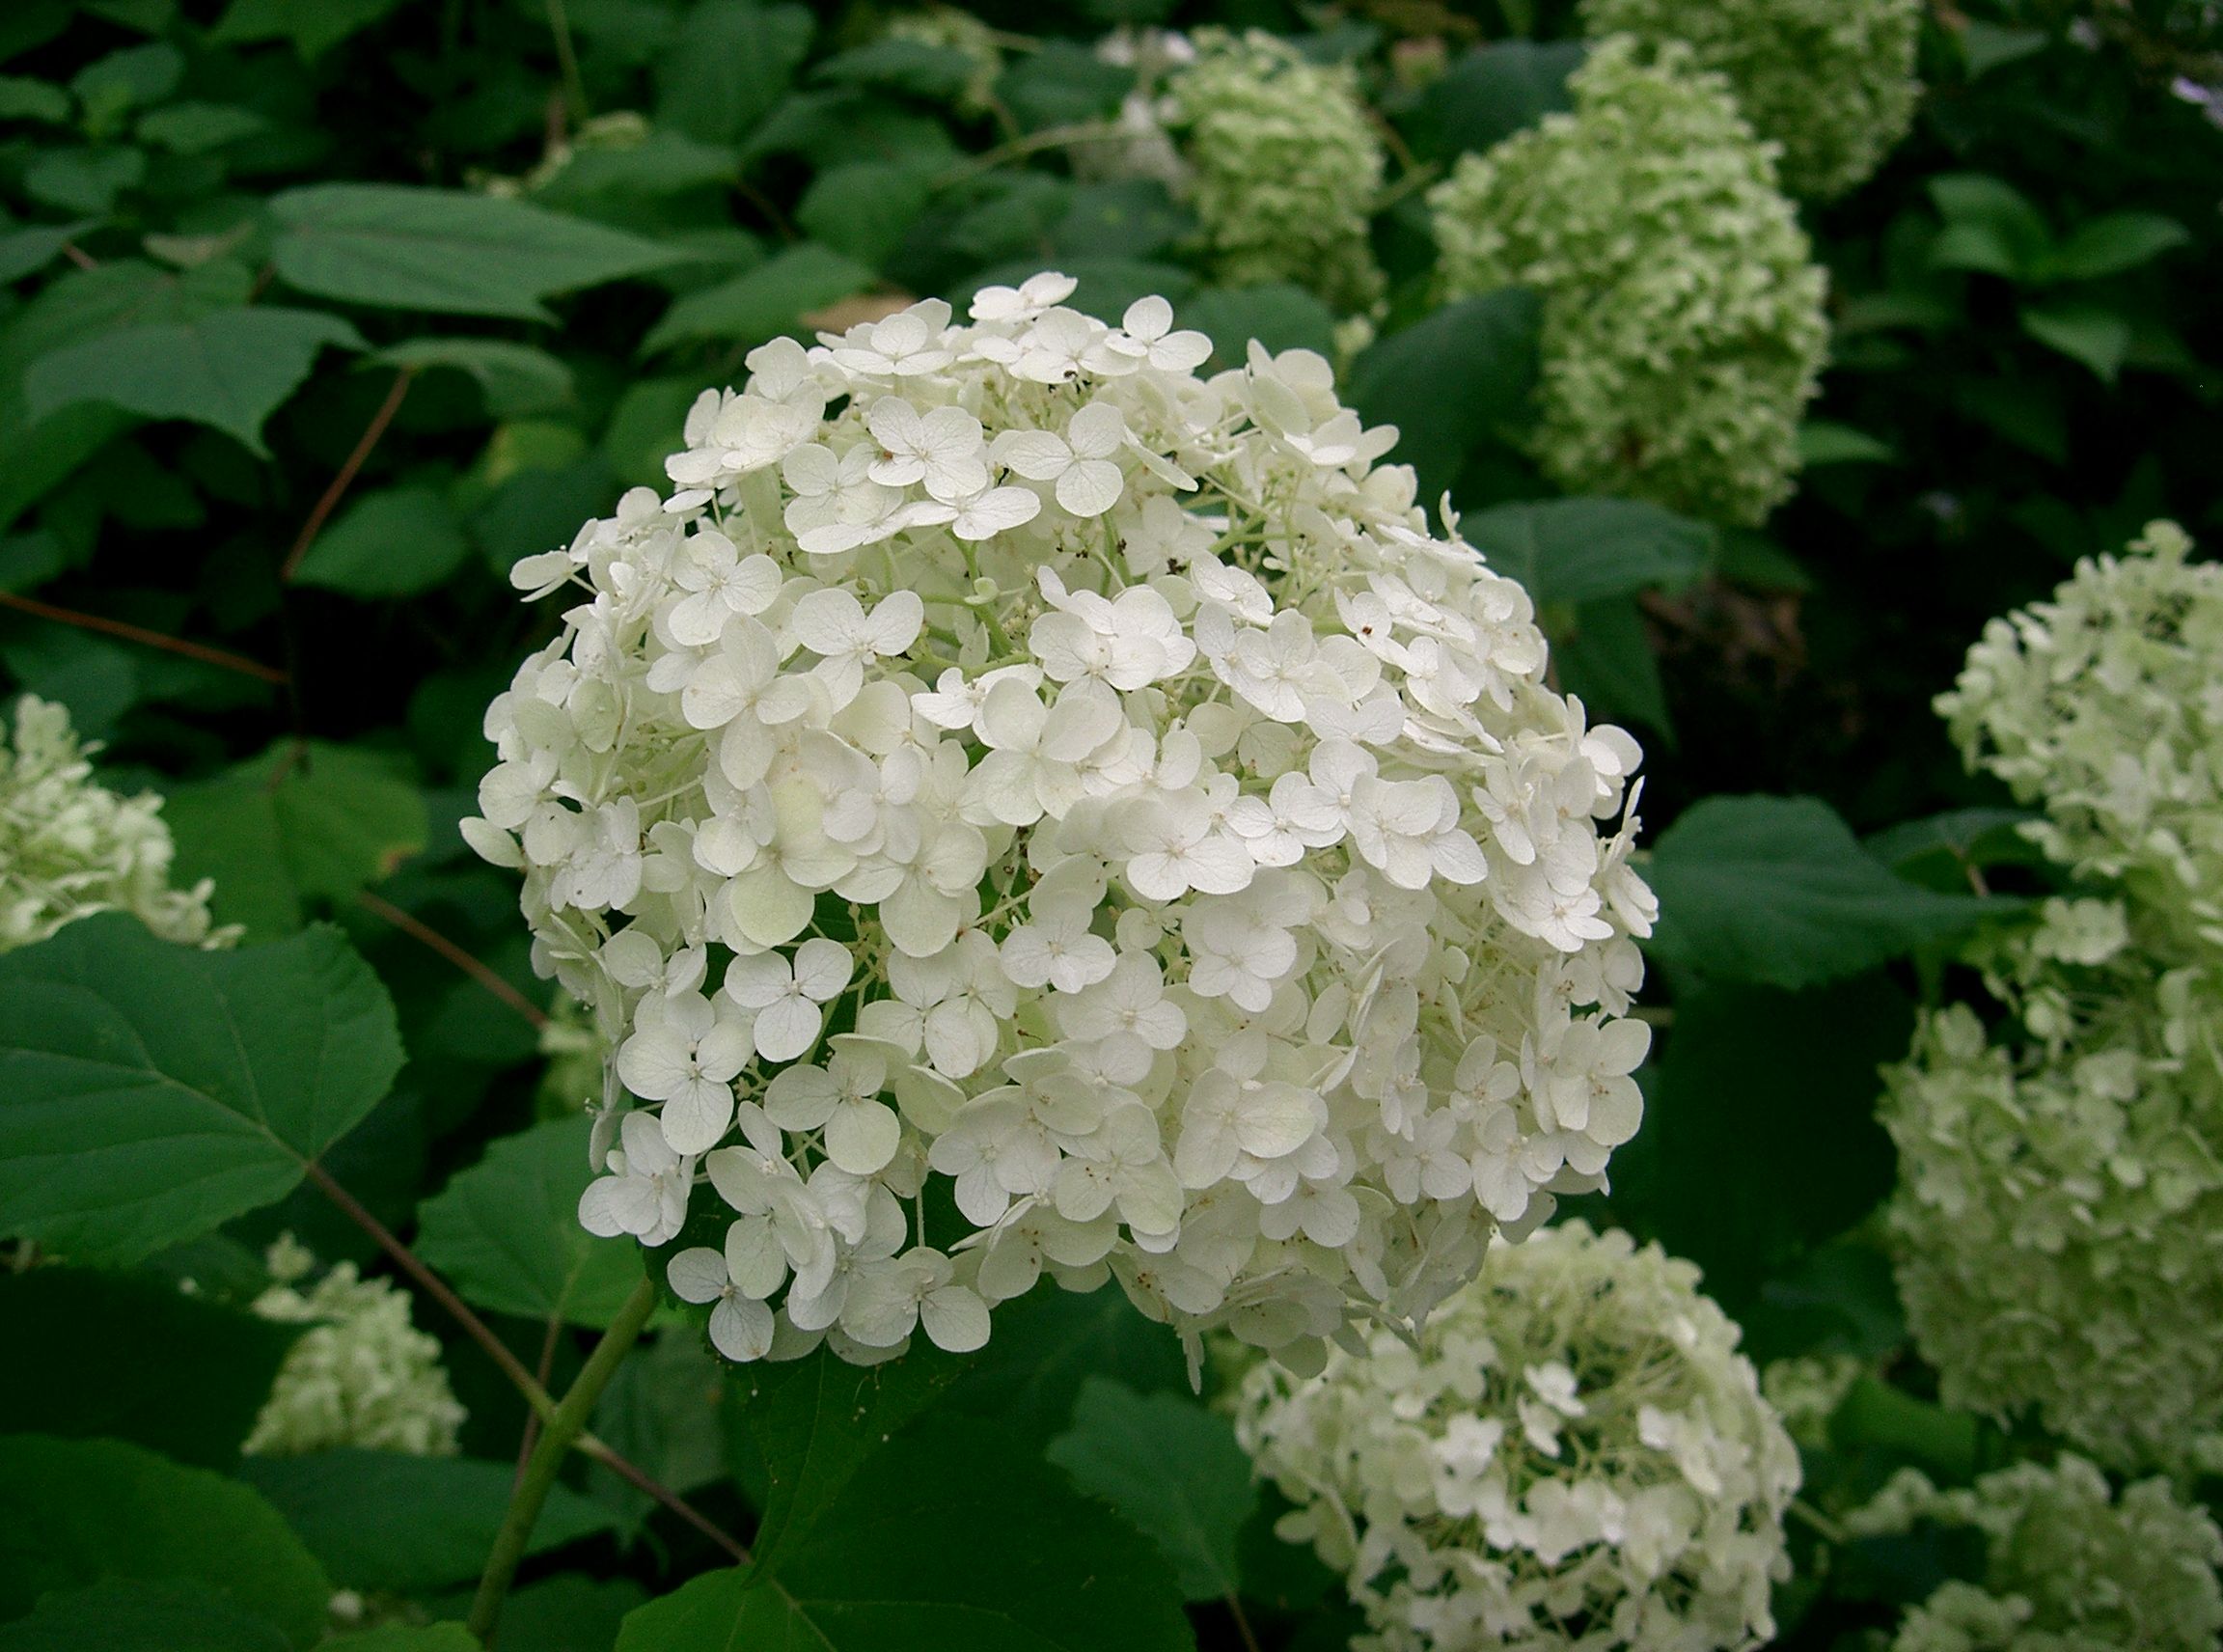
(360, 1375)
(1682, 311)
(1011, 762)
(1831, 81)
(1276, 155)
(2062, 1175)
(2104, 706)
(2069, 1566)
(70, 847)
(1575, 1455)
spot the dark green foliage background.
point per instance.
(310, 331)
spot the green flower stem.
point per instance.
(568, 1424)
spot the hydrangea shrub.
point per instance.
(2069, 1566)
(1283, 164)
(1575, 1454)
(1683, 323)
(362, 1375)
(1829, 81)
(1010, 762)
(2060, 1184)
(70, 847)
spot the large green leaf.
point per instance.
(1759, 1136)
(1048, 1342)
(229, 370)
(1579, 550)
(1452, 380)
(150, 1092)
(1282, 316)
(863, 210)
(663, 1413)
(505, 1232)
(946, 1536)
(394, 543)
(386, 1520)
(74, 1512)
(404, 248)
(2089, 333)
(127, 1615)
(314, 26)
(738, 61)
(92, 1377)
(516, 379)
(306, 822)
(1777, 892)
(771, 298)
(1493, 91)
(1174, 1469)
(2111, 244)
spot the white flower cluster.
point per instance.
(1575, 1456)
(70, 847)
(2105, 706)
(2061, 1178)
(2068, 1566)
(362, 1375)
(1011, 758)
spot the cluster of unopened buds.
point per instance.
(1019, 806)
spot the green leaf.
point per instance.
(129, 78)
(124, 1615)
(314, 26)
(444, 250)
(1986, 46)
(1451, 381)
(1760, 1138)
(1174, 1469)
(150, 1092)
(227, 370)
(1875, 1414)
(649, 422)
(1941, 850)
(507, 1232)
(1777, 892)
(943, 1537)
(662, 1412)
(516, 379)
(92, 1330)
(1280, 315)
(916, 67)
(394, 543)
(1822, 443)
(25, 99)
(307, 823)
(1130, 218)
(1493, 90)
(2086, 333)
(865, 210)
(2114, 243)
(1604, 656)
(2004, 226)
(1579, 550)
(22, 251)
(435, 1517)
(567, 1612)
(663, 163)
(1049, 1342)
(406, 1637)
(84, 180)
(80, 1511)
(739, 60)
(768, 301)
(196, 128)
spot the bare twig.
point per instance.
(417, 930)
(330, 501)
(130, 633)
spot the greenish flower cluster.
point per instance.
(951, 29)
(70, 847)
(2068, 1566)
(1683, 325)
(1283, 165)
(1831, 81)
(1574, 1455)
(362, 1375)
(2061, 1182)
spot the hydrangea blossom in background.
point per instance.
(1009, 759)
(2068, 1566)
(2061, 1185)
(1831, 81)
(1575, 1455)
(70, 847)
(1283, 165)
(1683, 324)
(362, 1375)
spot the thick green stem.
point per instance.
(568, 1424)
